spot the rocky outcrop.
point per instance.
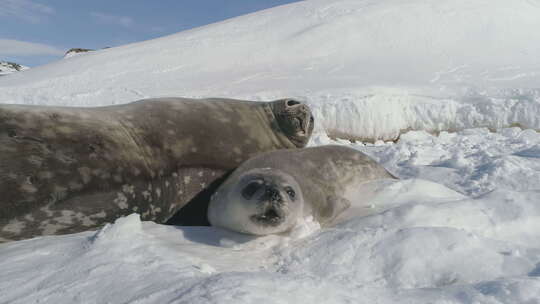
(76, 51)
(7, 67)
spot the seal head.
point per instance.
(264, 201)
(294, 119)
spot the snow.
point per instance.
(444, 94)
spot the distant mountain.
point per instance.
(10, 67)
(76, 51)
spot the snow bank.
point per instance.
(372, 69)
(385, 114)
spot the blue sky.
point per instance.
(34, 32)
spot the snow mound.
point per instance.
(124, 229)
(371, 69)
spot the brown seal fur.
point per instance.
(65, 170)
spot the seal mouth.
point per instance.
(272, 216)
(305, 125)
(300, 123)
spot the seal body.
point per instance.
(66, 170)
(272, 191)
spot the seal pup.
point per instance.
(271, 192)
(67, 169)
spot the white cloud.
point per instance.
(26, 10)
(10, 47)
(112, 19)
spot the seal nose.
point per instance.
(272, 194)
(297, 105)
(271, 191)
(292, 102)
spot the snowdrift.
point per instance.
(386, 66)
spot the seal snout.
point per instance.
(303, 119)
(295, 120)
(301, 113)
(271, 206)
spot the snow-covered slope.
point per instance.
(10, 67)
(398, 65)
(461, 226)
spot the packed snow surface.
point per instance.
(457, 81)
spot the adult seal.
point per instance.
(65, 169)
(271, 192)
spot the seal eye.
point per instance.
(290, 192)
(251, 189)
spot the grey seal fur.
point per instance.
(271, 192)
(67, 169)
